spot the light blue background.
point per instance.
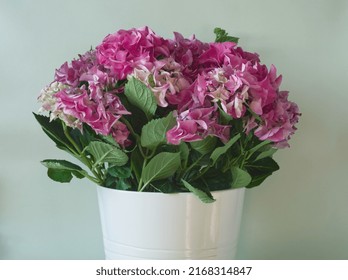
(301, 212)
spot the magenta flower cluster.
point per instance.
(198, 81)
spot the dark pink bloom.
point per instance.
(70, 74)
(186, 52)
(124, 50)
(120, 133)
(279, 121)
(101, 115)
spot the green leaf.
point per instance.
(137, 161)
(260, 170)
(154, 132)
(164, 186)
(59, 175)
(103, 152)
(224, 117)
(206, 197)
(82, 139)
(222, 150)
(240, 178)
(215, 179)
(222, 36)
(120, 171)
(123, 185)
(161, 166)
(204, 146)
(54, 130)
(109, 140)
(259, 146)
(141, 96)
(267, 153)
(59, 170)
(184, 153)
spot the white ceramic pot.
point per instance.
(169, 226)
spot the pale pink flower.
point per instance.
(165, 79)
(236, 105)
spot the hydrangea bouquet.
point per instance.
(144, 113)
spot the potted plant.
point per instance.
(172, 132)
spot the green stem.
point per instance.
(129, 126)
(200, 174)
(136, 136)
(80, 155)
(93, 179)
(192, 165)
(67, 135)
(140, 186)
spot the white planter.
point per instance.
(169, 226)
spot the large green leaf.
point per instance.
(204, 146)
(184, 153)
(164, 186)
(136, 162)
(82, 139)
(54, 130)
(59, 175)
(204, 196)
(154, 132)
(141, 96)
(62, 170)
(260, 170)
(240, 178)
(120, 171)
(109, 140)
(222, 150)
(266, 153)
(258, 146)
(103, 152)
(161, 166)
(224, 117)
(215, 179)
(122, 184)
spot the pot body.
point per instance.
(169, 226)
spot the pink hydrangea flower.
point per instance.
(70, 74)
(124, 50)
(101, 114)
(187, 52)
(186, 131)
(120, 133)
(196, 124)
(279, 121)
(165, 80)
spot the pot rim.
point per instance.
(126, 192)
